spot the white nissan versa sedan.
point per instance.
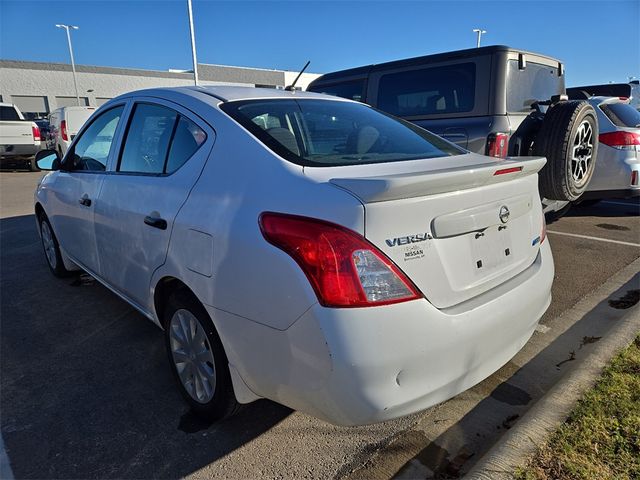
(301, 247)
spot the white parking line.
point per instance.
(5, 467)
(588, 237)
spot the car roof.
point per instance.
(436, 57)
(227, 93)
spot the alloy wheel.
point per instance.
(48, 244)
(582, 154)
(192, 356)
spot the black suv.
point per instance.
(494, 100)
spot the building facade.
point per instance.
(39, 88)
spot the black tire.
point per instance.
(565, 177)
(55, 263)
(33, 166)
(223, 402)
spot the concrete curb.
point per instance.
(521, 442)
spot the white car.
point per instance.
(20, 139)
(301, 247)
(65, 123)
(617, 170)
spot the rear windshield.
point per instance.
(534, 83)
(8, 113)
(332, 133)
(622, 115)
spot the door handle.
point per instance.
(85, 201)
(154, 222)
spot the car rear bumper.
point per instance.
(612, 177)
(361, 366)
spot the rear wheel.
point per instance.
(569, 139)
(197, 358)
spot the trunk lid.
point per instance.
(457, 227)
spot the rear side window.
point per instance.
(186, 140)
(159, 140)
(352, 89)
(622, 115)
(333, 133)
(534, 83)
(8, 113)
(428, 91)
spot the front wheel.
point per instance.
(33, 166)
(197, 358)
(51, 248)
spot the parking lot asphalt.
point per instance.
(86, 391)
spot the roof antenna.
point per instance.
(289, 88)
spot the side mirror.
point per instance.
(48, 160)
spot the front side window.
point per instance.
(91, 151)
(333, 133)
(428, 91)
(159, 140)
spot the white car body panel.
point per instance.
(345, 365)
(407, 356)
(129, 250)
(74, 223)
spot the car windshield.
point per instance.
(321, 133)
(622, 114)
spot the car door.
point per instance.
(77, 186)
(163, 152)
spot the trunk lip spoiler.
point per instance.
(430, 182)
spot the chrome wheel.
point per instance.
(192, 356)
(48, 244)
(582, 154)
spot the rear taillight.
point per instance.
(498, 145)
(35, 131)
(504, 171)
(620, 139)
(634, 178)
(344, 269)
(63, 130)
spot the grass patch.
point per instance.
(601, 437)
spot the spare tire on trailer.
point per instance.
(568, 138)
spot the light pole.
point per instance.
(73, 63)
(480, 32)
(193, 44)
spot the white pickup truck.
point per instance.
(19, 139)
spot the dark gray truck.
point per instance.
(495, 100)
